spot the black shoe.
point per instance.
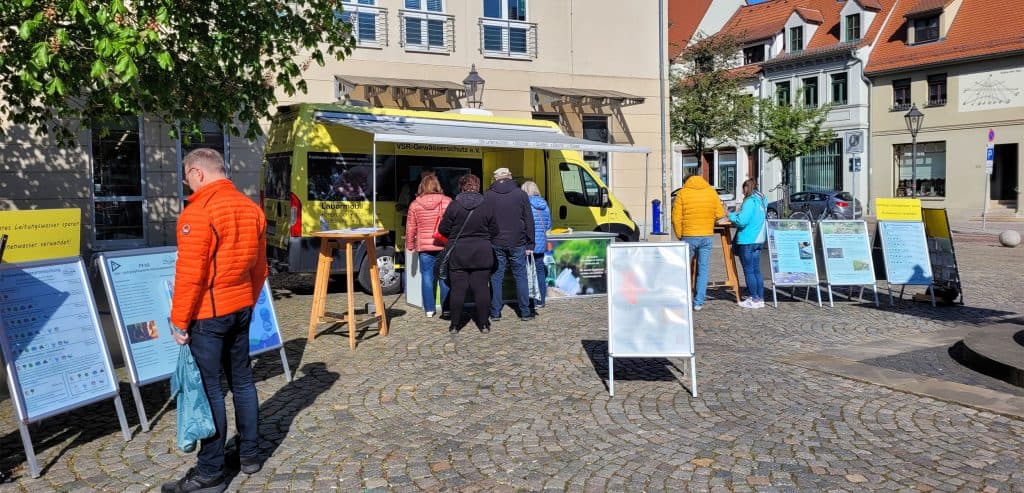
(453, 329)
(194, 483)
(527, 318)
(250, 465)
(495, 319)
(446, 315)
(485, 329)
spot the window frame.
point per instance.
(425, 16)
(923, 25)
(938, 85)
(810, 97)
(105, 244)
(747, 59)
(853, 26)
(505, 25)
(898, 87)
(379, 38)
(779, 92)
(845, 79)
(936, 187)
(796, 34)
(589, 201)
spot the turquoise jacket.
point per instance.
(750, 220)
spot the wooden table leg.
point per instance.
(378, 296)
(323, 273)
(732, 279)
(351, 291)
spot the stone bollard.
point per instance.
(1009, 238)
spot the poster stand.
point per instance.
(847, 256)
(650, 312)
(44, 302)
(138, 283)
(945, 268)
(791, 247)
(904, 252)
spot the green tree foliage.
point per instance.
(709, 107)
(91, 61)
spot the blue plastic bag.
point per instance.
(195, 420)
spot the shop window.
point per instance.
(823, 168)
(726, 173)
(691, 166)
(119, 217)
(931, 169)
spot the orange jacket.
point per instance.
(696, 208)
(420, 225)
(222, 254)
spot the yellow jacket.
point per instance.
(696, 208)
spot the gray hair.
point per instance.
(209, 160)
(530, 188)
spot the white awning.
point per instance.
(465, 133)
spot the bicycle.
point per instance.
(830, 212)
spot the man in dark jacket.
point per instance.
(515, 238)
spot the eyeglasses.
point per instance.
(184, 177)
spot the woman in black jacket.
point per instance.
(470, 224)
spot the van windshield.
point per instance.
(349, 177)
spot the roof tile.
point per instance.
(809, 15)
(683, 18)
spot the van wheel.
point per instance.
(390, 278)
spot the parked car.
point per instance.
(842, 203)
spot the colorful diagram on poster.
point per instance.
(791, 252)
(264, 334)
(905, 252)
(847, 253)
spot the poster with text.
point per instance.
(52, 340)
(905, 252)
(576, 266)
(791, 252)
(649, 300)
(140, 286)
(847, 253)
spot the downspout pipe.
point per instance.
(663, 103)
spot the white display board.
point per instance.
(847, 255)
(905, 254)
(53, 347)
(792, 255)
(649, 304)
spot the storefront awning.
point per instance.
(464, 133)
(541, 96)
(400, 88)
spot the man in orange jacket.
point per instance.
(694, 212)
(220, 271)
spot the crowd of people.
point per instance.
(476, 238)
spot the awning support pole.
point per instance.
(374, 219)
(647, 179)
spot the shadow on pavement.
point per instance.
(643, 369)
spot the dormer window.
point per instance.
(796, 39)
(853, 27)
(753, 54)
(926, 29)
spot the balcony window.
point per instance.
(369, 22)
(937, 90)
(926, 29)
(839, 89)
(425, 26)
(796, 39)
(753, 54)
(901, 95)
(782, 96)
(504, 31)
(853, 27)
(810, 92)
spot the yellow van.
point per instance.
(329, 166)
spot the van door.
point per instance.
(576, 204)
(276, 194)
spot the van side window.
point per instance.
(277, 178)
(349, 177)
(579, 187)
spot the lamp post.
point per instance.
(914, 118)
(474, 85)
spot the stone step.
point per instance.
(997, 351)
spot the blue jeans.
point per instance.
(750, 257)
(427, 282)
(701, 247)
(517, 257)
(542, 279)
(221, 344)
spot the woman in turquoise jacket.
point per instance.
(751, 234)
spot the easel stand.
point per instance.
(874, 288)
(904, 287)
(329, 240)
(807, 293)
(693, 370)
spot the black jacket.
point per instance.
(511, 206)
(472, 248)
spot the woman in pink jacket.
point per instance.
(424, 213)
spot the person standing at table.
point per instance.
(751, 235)
(542, 223)
(469, 222)
(694, 213)
(424, 215)
(514, 241)
(219, 274)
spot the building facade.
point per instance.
(590, 65)
(966, 76)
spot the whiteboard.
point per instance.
(649, 300)
(53, 346)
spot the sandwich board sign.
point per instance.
(792, 255)
(53, 347)
(649, 304)
(847, 253)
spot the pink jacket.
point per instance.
(420, 225)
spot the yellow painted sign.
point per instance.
(936, 225)
(898, 209)
(41, 234)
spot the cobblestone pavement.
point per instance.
(526, 408)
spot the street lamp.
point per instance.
(474, 85)
(914, 118)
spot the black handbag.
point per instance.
(441, 266)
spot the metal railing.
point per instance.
(369, 24)
(427, 31)
(508, 39)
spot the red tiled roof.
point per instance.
(924, 6)
(869, 4)
(974, 32)
(683, 18)
(809, 15)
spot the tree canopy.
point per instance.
(184, 61)
(788, 131)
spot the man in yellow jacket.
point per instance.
(695, 210)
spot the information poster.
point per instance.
(945, 270)
(52, 338)
(576, 266)
(847, 253)
(41, 234)
(140, 286)
(894, 209)
(905, 252)
(791, 251)
(649, 310)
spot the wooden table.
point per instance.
(329, 240)
(724, 233)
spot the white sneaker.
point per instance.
(759, 304)
(748, 303)
(430, 314)
(698, 308)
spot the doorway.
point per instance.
(1004, 173)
